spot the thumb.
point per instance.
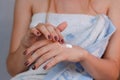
(62, 26)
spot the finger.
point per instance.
(31, 59)
(53, 32)
(35, 31)
(41, 52)
(35, 46)
(57, 59)
(61, 40)
(42, 28)
(30, 38)
(62, 26)
(46, 57)
(37, 54)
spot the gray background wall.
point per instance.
(6, 20)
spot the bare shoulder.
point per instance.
(101, 6)
(113, 50)
(24, 2)
(115, 3)
(35, 5)
(114, 13)
(39, 6)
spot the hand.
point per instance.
(49, 31)
(55, 52)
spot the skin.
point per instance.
(106, 68)
(27, 37)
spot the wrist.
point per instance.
(24, 44)
(85, 54)
(82, 53)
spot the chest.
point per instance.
(73, 6)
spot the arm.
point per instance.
(22, 17)
(22, 37)
(108, 67)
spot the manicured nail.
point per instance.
(45, 67)
(62, 41)
(38, 33)
(26, 63)
(25, 52)
(49, 37)
(34, 67)
(55, 38)
(59, 41)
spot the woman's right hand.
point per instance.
(42, 31)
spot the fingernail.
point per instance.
(55, 38)
(38, 33)
(62, 41)
(26, 63)
(45, 67)
(34, 67)
(59, 41)
(49, 37)
(25, 52)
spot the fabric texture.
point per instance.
(89, 32)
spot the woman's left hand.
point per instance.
(55, 52)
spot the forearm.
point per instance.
(15, 61)
(100, 69)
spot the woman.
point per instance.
(35, 46)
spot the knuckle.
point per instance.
(43, 29)
(36, 54)
(55, 60)
(57, 44)
(39, 61)
(44, 58)
(52, 32)
(37, 64)
(31, 29)
(49, 26)
(64, 57)
(37, 51)
(51, 29)
(41, 51)
(51, 63)
(45, 32)
(40, 26)
(38, 44)
(30, 59)
(57, 30)
(32, 48)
